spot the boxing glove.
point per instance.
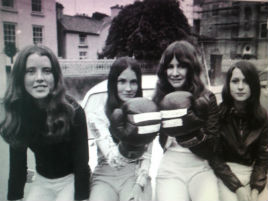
(178, 118)
(131, 151)
(135, 125)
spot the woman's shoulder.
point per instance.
(73, 102)
(208, 95)
(206, 92)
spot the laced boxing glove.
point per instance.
(179, 120)
(135, 125)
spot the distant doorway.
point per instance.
(215, 68)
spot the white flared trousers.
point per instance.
(183, 176)
(111, 184)
(44, 189)
(243, 173)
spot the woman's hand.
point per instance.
(136, 193)
(116, 160)
(243, 194)
(254, 194)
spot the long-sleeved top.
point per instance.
(53, 160)
(241, 144)
(107, 149)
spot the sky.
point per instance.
(71, 7)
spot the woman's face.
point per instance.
(127, 85)
(239, 88)
(176, 74)
(38, 78)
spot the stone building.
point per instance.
(232, 30)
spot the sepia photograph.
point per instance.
(133, 100)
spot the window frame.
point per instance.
(36, 4)
(83, 55)
(9, 35)
(9, 5)
(82, 39)
(215, 10)
(38, 37)
(263, 30)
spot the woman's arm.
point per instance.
(212, 122)
(142, 173)
(224, 172)
(99, 128)
(17, 173)
(259, 173)
(80, 155)
(143, 169)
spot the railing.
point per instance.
(85, 67)
(97, 67)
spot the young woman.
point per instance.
(39, 116)
(242, 159)
(115, 177)
(263, 75)
(184, 173)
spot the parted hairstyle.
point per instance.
(119, 65)
(253, 107)
(186, 54)
(18, 103)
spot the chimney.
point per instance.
(59, 10)
(115, 10)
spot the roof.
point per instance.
(81, 24)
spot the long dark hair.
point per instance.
(18, 103)
(253, 108)
(185, 53)
(121, 64)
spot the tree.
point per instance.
(144, 29)
(10, 50)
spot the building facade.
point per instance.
(230, 31)
(23, 23)
(81, 36)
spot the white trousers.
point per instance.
(44, 189)
(243, 173)
(111, 184)
(183, 176)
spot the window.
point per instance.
(215, 10)
(37, 34)
(9, 33)
(234, 32)
(36, 5)
(82, 38)
(8, 3)
(197, 26)
(263, 31)
(82, 55)
(248, 13)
